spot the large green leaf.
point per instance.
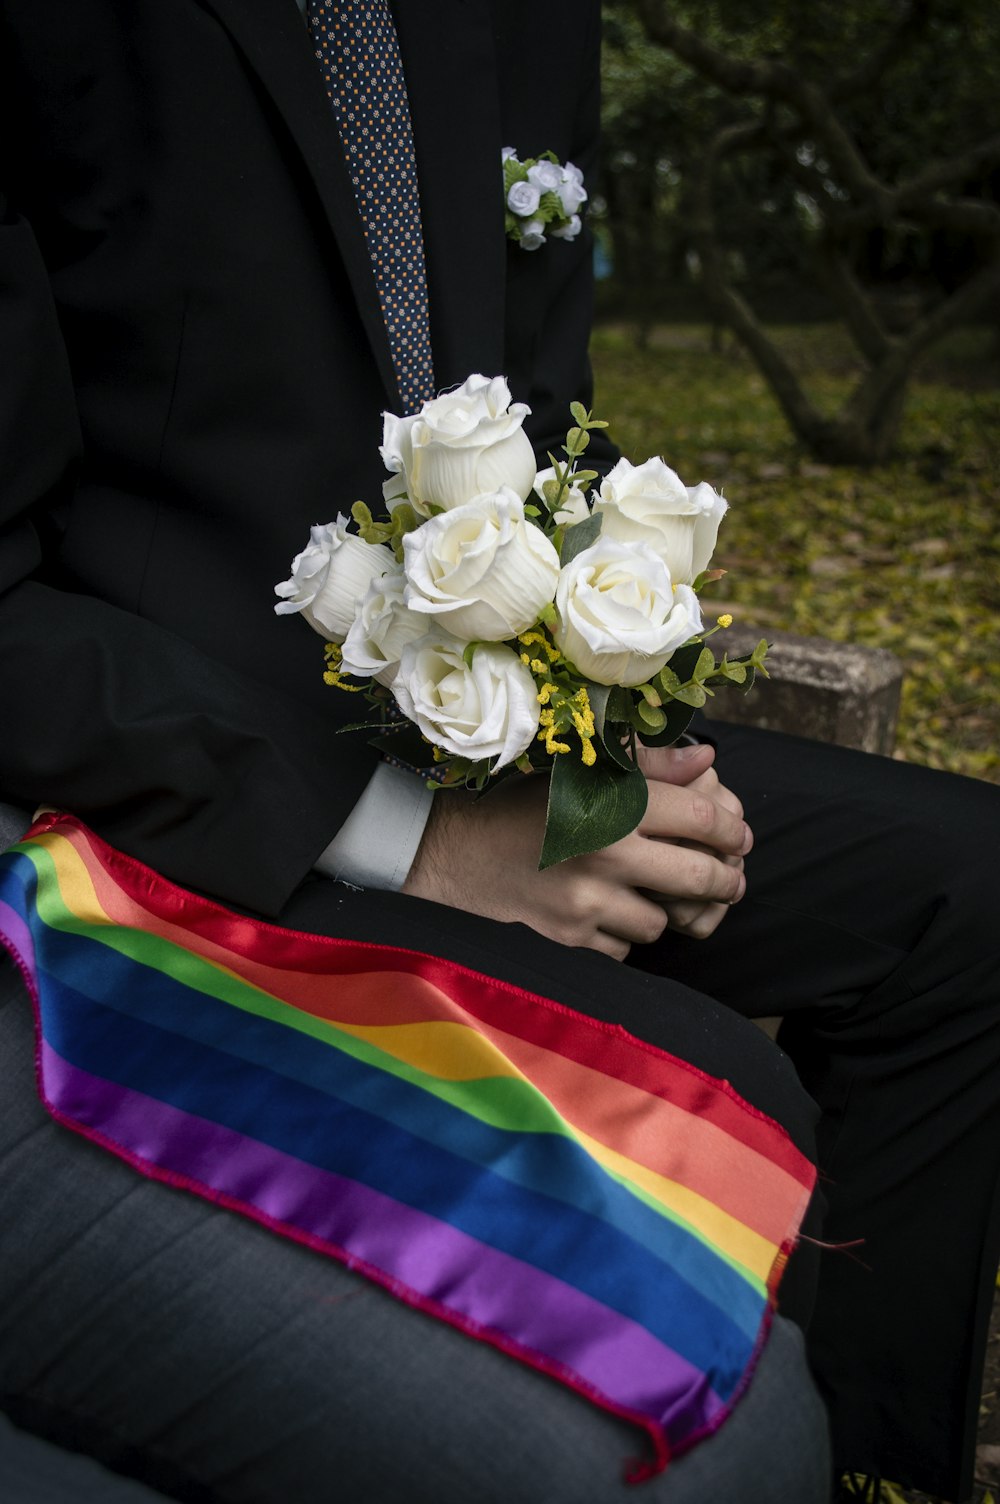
(611, 707)
(590, 808)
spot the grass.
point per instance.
(904, 556)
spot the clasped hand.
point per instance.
(682, 866)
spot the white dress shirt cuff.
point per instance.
(375, 846)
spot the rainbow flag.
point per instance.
(547, 1183)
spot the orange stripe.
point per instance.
(649, 1130)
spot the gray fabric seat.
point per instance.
(33, 1471)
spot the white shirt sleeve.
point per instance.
(375, 846)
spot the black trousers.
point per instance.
(870, 926)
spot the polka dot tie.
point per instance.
(356, 45)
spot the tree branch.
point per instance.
(858, 310)
(870, 70)
(732, 74)
(730, 307)
(776, 81)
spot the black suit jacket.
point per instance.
(194, 368)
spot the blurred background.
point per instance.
(798, 258)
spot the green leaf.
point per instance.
(579, 414)
(589, 808)
(705, 664)
(758, 655)
(678, 717)
(692, 694)
(514, 172)
(580, 536)
(651, 717)
(612, 709)
(619, 704)
(736, 673)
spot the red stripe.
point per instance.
(306, 963)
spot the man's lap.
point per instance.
(855, 855)
(220, 1362)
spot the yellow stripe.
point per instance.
(446, 1050)
(75, 886)
(456, 1052)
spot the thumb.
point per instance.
(677, 765)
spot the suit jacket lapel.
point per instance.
(450, 66)
(451, 78)
(273, 41)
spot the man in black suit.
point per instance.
(196, 362)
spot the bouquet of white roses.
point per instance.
(504, 620)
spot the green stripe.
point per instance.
(512, 1104)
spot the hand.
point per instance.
(695, 771)
(483, 856)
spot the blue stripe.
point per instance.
(581, 1249)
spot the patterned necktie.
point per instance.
(356, 45)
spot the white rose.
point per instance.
(523, 199)
(546, 176)
(649, 503)
(459, 445)
(483, 570)
(569, 231)
(488, 710)
(381, 629)
(574, 506)
(330, 576)
(571, 190)
(620, 618)
(532, 235)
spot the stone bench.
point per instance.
(828, 691)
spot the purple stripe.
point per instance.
(608, 1352)
(18, 933)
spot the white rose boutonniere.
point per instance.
(542, 197)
